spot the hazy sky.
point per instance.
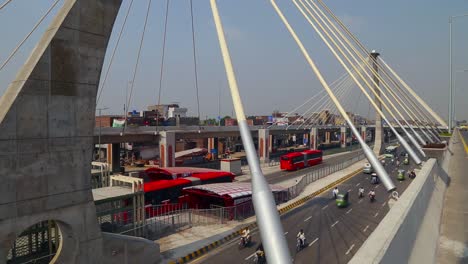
(272, 73)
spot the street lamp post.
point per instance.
(100, 126)
(451, 18)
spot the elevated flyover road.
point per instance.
(333, 234)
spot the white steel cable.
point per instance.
(28, 35)
(342, 77)
(137, 63)
(369, 66)
(103, 85)
(386, 180)
(324, 102)
(401, 139)
(321, 100)
(340, 23)
(5, 4)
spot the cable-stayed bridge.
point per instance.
(47, 133)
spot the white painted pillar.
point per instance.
(313, 138)
(167, 149)
(343, 137)
(263, 145)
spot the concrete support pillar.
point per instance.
(167, 149)
(327, 137)
(313, 138)
(213, 147)
(364, 133)
(113, 157)
(343, 137)
(263, 142)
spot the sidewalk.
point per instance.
(185, 242)
(454, 227)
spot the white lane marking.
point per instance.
(376, 186)
(308, 218)
(365, 229)
(350, 248)
(358, 184)
(247, 258)
(384, 204)
(376, 214)
(334, 224)
(311, 243)
(285, 233)
(325, 207)
(360, 201)
(349, 190)
(349, 211)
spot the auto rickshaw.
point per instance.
(342, 200)
(401, 175)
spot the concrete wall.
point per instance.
(409, 232)
(126, 249)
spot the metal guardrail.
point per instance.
(161, 222)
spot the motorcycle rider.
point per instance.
(372, 195)
(301, 237)
(246, 235)
(260, 254)
(361, 192)
(335, 192)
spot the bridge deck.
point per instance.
(454, 230)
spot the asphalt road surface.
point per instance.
(333, 234)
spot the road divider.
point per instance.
(463, 141)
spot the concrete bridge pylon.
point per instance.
(379, 137)
(46, 132)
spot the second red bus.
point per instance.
(298, 160)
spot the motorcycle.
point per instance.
(244, 242)
(300, 244)
(259, 258)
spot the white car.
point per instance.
(368, 168)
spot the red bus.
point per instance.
(298, 160)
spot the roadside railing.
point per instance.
(159, 223)
(320, 173)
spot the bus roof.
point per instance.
(300, 153)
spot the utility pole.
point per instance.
(100, 127)
(450, 114)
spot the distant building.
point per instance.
(106, 120)
(176, 112)
(230, 122)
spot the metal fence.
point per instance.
(317, 174)
(160, 222)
